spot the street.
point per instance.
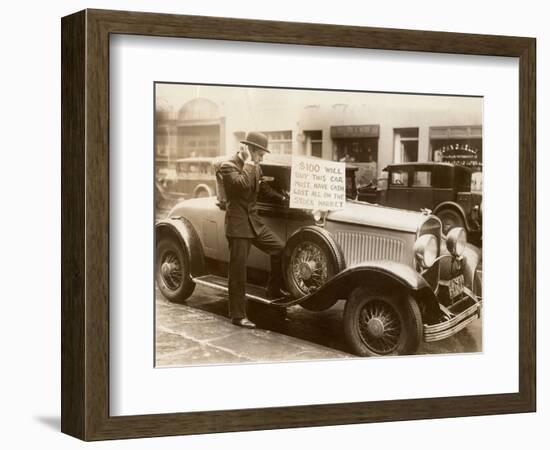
(200, 332)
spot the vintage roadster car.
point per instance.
(403, 281)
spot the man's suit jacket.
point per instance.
(242, 184)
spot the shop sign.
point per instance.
(458, 154)
(354, 131)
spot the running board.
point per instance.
(253, 292)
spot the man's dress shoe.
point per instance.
(244, 323)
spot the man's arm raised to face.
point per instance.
(238, 181)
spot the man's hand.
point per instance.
(246, 156)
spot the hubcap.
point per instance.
(375, 327)
(170, 270)
(167, 268)
(379, 326)
(308, 267)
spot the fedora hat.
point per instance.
(256, 139)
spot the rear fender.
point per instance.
(386, 276)
(181, 230)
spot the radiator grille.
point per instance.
(358, 247)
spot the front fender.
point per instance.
(388, 276)
(181, 230)
(453, 205)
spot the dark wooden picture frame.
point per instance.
(85, 224)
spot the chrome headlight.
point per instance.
(319, 216)
(425, 250)
(456, 241)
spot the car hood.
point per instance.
(362, 213)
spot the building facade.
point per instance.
(369, 130)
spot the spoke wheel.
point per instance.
(172, 271)
(311, 258)
(379, 327)
(381, 324)
(309, 269)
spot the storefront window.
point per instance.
(314, 143)
(279, 142)
(357, 145)
(162, 141)
(361, 150)
(199, 140)
(406, 144)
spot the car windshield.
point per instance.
(278, 178)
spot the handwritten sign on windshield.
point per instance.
(317, 184)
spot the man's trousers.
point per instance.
(266, 241)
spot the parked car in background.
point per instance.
(451, 192)
(195, 177)
(403, 283)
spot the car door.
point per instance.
(442, 185)
(421, 193)
(397, 195)
(271, 211)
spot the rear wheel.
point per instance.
(312, 258)
(380, 324)
(172, 271)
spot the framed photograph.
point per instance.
(267, 224)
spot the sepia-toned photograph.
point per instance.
(299, 224)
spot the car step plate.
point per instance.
(253, 292)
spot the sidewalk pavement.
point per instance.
(188, 335)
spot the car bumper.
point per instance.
(458, 316)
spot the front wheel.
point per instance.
(311, 259)
(172, 271)
(380, 324)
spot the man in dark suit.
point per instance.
(242, 181)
